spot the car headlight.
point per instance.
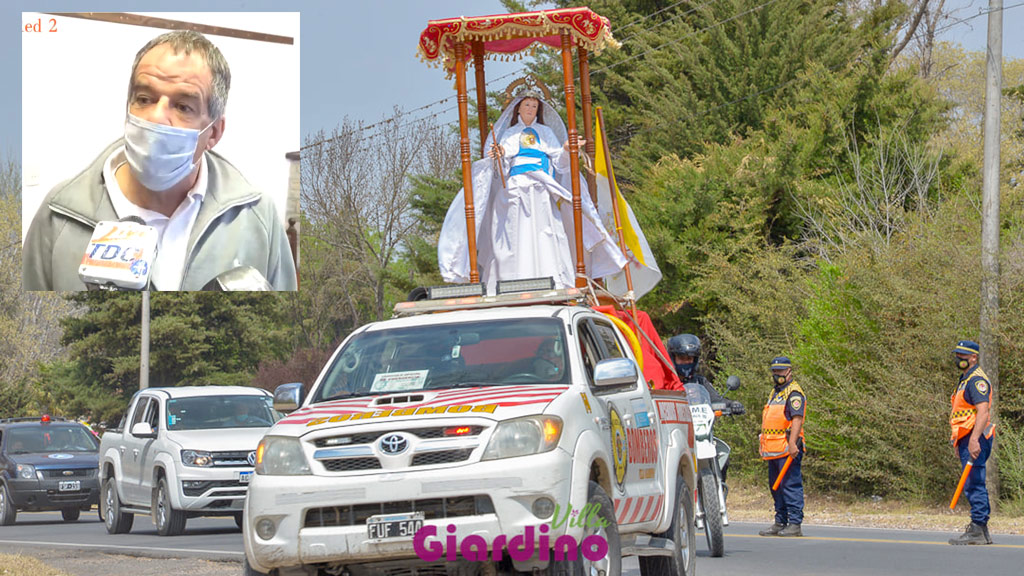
(26, 471)
(524, 436)
(199, 458)
(280, 456)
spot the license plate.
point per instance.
(69, 485)
(243, 477)
(394, 526)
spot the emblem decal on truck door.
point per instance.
(618, 445)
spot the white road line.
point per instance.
(72, 545)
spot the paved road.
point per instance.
(833, 551)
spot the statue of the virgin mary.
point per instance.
(525, 229)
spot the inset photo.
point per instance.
(160, 151)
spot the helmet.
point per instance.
(684, 345)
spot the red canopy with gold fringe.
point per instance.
(511, 34)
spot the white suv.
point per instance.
(182, 452)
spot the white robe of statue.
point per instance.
(526, 230)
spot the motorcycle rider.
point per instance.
(684, 351)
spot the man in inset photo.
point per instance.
(165, 171)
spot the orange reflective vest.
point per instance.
(774, 425)
(963, 414)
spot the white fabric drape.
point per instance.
(526, 230)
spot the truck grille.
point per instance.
(432, 508)
(370, 437)
(75, 473)
(351, 464)
(440, 457)
(239, 458)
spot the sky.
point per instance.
(359, 57)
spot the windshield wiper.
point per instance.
(467, 385)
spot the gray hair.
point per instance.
(189, 41)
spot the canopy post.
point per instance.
(467, 165)
(588, 121)
(574, 156)
(481, 94)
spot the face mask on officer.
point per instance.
(160, 156)
(779, 379)
(962, 363)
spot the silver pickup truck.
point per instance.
(182, 452)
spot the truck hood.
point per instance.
(63, 460)
(493, 402)
(220, 440)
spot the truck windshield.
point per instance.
(515, 351)
(51, 439)
(211, 412)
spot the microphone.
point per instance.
(240, 279)
(120, 255)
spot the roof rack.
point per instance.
(566, 296)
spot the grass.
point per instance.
(20, 565)
(749, 503)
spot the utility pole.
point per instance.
(144, 349)
(990, 218)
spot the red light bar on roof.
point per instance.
(45, 419)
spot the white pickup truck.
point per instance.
(182, 452)
(490, 439)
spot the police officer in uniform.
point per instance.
(972, 435)
(782, 436)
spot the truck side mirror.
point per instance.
(615, 372)
(733, 383)
(288, 397)
(143, 430)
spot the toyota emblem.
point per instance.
(251, 458)
(393, 444)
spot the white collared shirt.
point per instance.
(174, 232)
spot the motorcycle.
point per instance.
(712, 458)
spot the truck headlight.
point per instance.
(280, 456)
(524, 436)
(26, 471)
(198, 458)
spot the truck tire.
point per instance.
(70, 514)
(8, 513)
(117, 522)
(611, 564)
(712, 512)
(169, 522)
(683, 561)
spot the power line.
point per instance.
(667, 20)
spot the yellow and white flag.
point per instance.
(643, 268)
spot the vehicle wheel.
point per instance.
(247, 569)
(611, 564)
(238, 519)
(117, 522)
(8, 513)
(70, 514)
(712, 512)
(683, 561)
(169, 522)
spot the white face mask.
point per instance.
(160, 156)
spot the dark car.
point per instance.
(47, 464)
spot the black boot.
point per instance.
(988, 538)
(973, 534)
(772, 530)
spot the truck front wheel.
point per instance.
(611, 563)
(169, 522)
(683, 561)
(117, 522)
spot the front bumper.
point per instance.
(40, 495)
(321, 519)
(212, 491)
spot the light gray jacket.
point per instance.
(236, 226)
